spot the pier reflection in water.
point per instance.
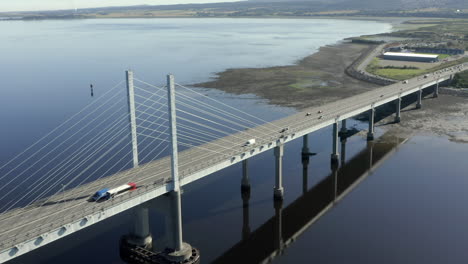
(275, 235)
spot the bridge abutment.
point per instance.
(335, 155)
(278, 190)
(370, 133)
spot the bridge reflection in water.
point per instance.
(279, 232)
(274, 236)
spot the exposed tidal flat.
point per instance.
(408, 210)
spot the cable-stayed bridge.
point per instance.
(161, 138)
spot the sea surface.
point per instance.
(398, 202)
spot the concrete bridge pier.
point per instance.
(419, 102)
(370, 133)
(175, 250)
(398, 111)
(140, 234)
(436, 90)
(245, 184)
(335, 155)
(278, 190)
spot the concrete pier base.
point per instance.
(173, 248)
(370, 133)
(179, 256)
(140, 235)
(278, 192)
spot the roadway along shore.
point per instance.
(320, 78)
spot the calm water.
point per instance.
(409, 209)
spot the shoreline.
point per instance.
(311, 81)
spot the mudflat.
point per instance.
(321, 78)
(317, 79)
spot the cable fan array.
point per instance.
(95, 143)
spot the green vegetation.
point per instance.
(461, 80)
(408, 72)
(396, 73)
(399, 74)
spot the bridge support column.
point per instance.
(245, 183)
(279, 191)
(398, 111)
(140, 235)
(370, 133)
(335, 155)
(419, 102)
(344, 129)
(436, 90)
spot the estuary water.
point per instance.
(404, 210)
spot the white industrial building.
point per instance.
(404, 56)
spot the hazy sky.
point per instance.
(26, 5)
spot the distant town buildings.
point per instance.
(426, 49)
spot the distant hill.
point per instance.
(378, 4)
(269, 8)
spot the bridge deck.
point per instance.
(27, 224)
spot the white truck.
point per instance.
(249, 142)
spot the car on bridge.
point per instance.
(106, 193)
